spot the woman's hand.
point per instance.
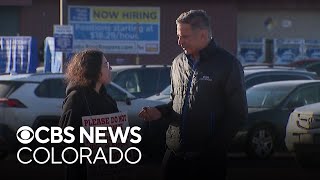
(150, 114)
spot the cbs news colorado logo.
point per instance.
(94, 138)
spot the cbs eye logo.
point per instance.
(25, 134)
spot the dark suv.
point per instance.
(142, 80)
(258, 74)
(261, 74)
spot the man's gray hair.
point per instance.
(198, 19)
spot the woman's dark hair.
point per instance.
(84, 68)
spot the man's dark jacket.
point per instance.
(208, 101)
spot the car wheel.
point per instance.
(261, 142)
(3, 152)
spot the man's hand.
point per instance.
(150, 114)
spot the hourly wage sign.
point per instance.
(117, 30)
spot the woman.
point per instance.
(87, 74)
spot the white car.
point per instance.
(303, 134)
(163, 96)
(141, 80)
(36, 100)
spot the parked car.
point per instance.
(255, 75)
(260, 74)
(302, 63)
(312, 65)
(163, 96)
(36, 100)
(142, 80)
(303, 135)
(269, 106)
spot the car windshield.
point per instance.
(266, 96)
(117, 94)
(113, 74)
(166, 91)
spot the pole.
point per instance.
(61, 11)
(137, 46)
(62, 7)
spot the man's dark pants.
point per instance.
(207, 165)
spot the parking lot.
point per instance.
(280, 166)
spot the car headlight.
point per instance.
(308, 121)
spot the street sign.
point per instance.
(63, 38)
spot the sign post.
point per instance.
(63, 39)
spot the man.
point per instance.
(208, 103)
